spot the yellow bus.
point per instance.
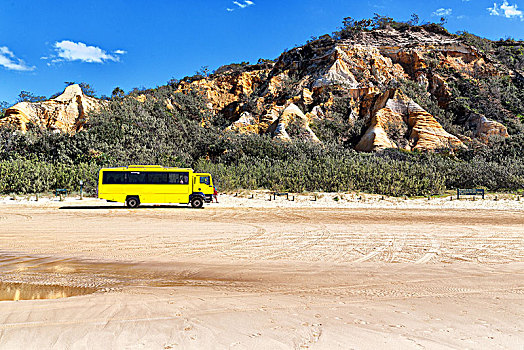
(137, 184)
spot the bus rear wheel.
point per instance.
(132, 202)
(197, 202)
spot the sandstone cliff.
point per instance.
(361, 79)
(400, 123)
(66, 113)
(364, 73)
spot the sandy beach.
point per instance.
(332, 271)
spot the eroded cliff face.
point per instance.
(401, 123)
(306, 83)
(65, 113)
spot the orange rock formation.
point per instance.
(307, 83)
(66, 113)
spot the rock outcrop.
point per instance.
(292, 122)
(401, 123)
(483, 128)
(309, 83)
(65, 113)
(360, 80)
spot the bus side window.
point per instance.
(136, 177)
(157, 178)
(113, 177)
(179, 178)
(173, 178)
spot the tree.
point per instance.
(117, 93)
(87, 89)
(173, 82)
(203, 71)
(26, 96)
(414, 19)
(3, 106)
(266, 61)
(381, 22)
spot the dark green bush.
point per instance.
(34, 176)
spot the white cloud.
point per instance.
(11, 62)
(239, 4)
(505, 10)
(242, 5)
(70, 51)
(442, 12)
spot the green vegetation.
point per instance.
(351, 27)
(479, 92)
(3, 106)
(509, 52)
(339, 125)
(26, 96)
(21, 175)
(131, 132)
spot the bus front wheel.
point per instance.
(197, 202)
(132, 202)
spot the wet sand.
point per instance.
(248, 274)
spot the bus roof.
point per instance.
(147, 167)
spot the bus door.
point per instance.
(202, 183)
(179, 187)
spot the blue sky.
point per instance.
(139, 43)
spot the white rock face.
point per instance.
(245, 124)
(399, 114)
(293, 121)
(484, 128)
